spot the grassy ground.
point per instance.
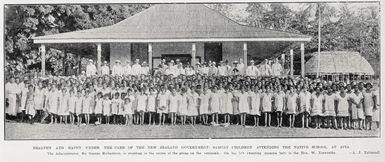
(60, 131)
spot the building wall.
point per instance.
(231, 51)
(120, 51)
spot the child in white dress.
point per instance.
(267, 105)
(151, 106)
(214, 104)
(127, 106)
(192, 105)
(63, 106)
(330, 113)
(279, 102)
(72, 106)
(291, 105)
(106, 102)
(87, 106)
(227, 106)
(356, 100)
(342, 108)
(141, 105)
(29, 105)
(162, 105)
(173, 105)
(183, 106)
(304, 106)
(115, 106)
(204, 105)
(243, 105)
(99, 108)
(79, 106)
(317, 106)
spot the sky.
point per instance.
(239, 9)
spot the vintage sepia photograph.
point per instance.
(191, 70)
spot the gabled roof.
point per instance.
(173, 23)
(339, 62)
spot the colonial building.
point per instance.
(189, 32)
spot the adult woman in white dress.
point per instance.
(11, 91)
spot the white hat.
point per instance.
(91, 60)
(172, 61)
(105, 62)
(251, 60)
(235, 62)
(136, 60)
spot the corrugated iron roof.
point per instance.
(174, 21)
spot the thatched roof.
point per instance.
(339, 62)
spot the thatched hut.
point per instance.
(339, 64)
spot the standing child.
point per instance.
(214, 104)
(243, 105)
(291, 105)
(115, 106)
(63, 106)
(162, 106)
(279, 100)
(99, 108)
(317, 106)
(183, 106)
(72, 105)
(342, 107)
(304, 105)
(106, 102)
(29, 106)
(151, 105)
(127, 106)
(357, 110)
(266, 105)
(79, 106)
(39, 99)
(227, 106)
(204, 105)
(53, 103)
(173, 105)
(330, 111)
(87, 106)
(141, 105)
(369, 105)
(192, 105)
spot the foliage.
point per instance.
(343, 28)
(26, 21)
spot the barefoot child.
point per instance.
(63, 106)
(342, 108)
(127, 106)
(183, 106)
(29, 105)
(106, 103)
(99, 108)
(115, 105)
(162, 105)
(304, 106)
(330, 113)
(79, 106)
(151, 105)
(317, 105)
(279, 102)
(214, 105)
(291, 105)
(72, 106)
(267, 105)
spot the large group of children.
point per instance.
(195, 99)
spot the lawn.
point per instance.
(15, 130)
